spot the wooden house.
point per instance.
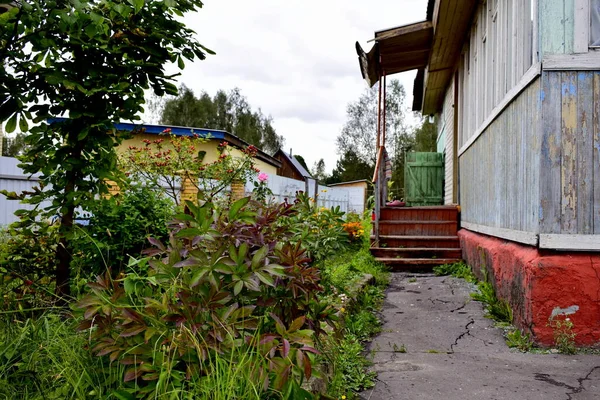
(291, 167)
(515, 88)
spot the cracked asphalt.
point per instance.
(454, 352)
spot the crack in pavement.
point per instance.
(441, 301)
(575, 390)
(460, 308)
(546, 378)
(466, 333)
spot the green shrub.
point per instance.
(320, 230)
(119, 227)
(27, 265)
(225, 277)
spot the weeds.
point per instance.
(518, 340)
(457, 270)
(399, 349)
(564, 337)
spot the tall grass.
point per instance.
(46, 359)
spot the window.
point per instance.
(595, 23)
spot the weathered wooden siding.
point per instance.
(499, 173)
(556, 26)
(448, 116)
(497, 54)
(570, 153)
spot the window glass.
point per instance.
(595, 23)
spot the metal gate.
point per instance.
(424, 179)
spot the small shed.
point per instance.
(358, 194)
(290, 167)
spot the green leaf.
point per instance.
(23, 125)
(266, 279)
(189, 232)
(235, 207)
(238, 287)
(197, 276)
(11, 125)
(259, 256)
(91, 30)
(123, 395)
(297, 324)
(137, 5)
(180, 63)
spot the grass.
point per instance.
(46, 359)
(517, 340)
(348, 267)
(346, 354)
(457, 270)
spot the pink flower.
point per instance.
(263, 177)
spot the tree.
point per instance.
(359, 133)
(302, 161)
(350, 167)
(357, 141)
(227, 111)
(426, 136)
(318, 171)
(13, 147)
(89, 60)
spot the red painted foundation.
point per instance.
(535, 282)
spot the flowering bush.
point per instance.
(175, 161)
(261, 191)
(354, 230)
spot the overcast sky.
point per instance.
(295, 60)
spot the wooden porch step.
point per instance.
(417, 252)
(417, 241)
(415, 264)
(421, 228)
(429, 213)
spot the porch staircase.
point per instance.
(417, 238)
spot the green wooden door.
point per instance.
(424, 179)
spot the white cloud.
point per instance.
(295, 60)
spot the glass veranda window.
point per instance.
(594, 23)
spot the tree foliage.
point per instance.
(350, 167)
(357, 142)
(89, 60)
(227, 111)
(426, 136)
(13, 146)
(360, 130)
(302, 161)
(318, 171)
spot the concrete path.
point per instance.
(454, 352)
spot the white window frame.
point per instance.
(589, 25)
(582, 21)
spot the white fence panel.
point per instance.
(356, 199)
(13, 179)
(282, 188)
(332, 197)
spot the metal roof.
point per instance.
(299, 167)
(215, 134)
